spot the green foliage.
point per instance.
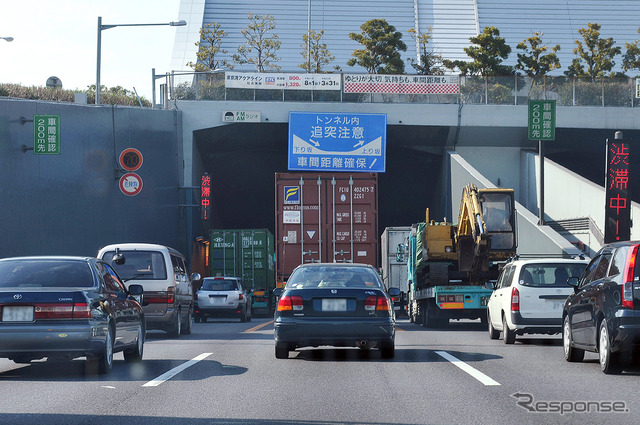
(430, 61)
(109, 96)
(315, 52)
(487, 54)
(260, 48)
(382, 46)
(594, 52)
(631, 59)
(209, 49)
(534, 62)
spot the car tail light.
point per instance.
(627, 289)
(240, 297)
(171, 291)
(515, 299)
(373, 302)
(289, 303)
(63, 311)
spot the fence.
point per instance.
(511, 90)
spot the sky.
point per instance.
(59, 38)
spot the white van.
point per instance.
(163, 273)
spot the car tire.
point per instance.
(204, 319)
(282, 351)
(508, 336)
(186, 329)
(243, 317)
(387, 350)
(135, 354)
(196, 319)
(250, 315)
(104, 361)
(609, 361)
(571, 354)
(176, 326)
(493, 332)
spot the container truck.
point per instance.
(325, 217)
(247, 254)
(394, 264)
(448, 264)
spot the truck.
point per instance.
(247, 254)
(394, 264)
(449, 264)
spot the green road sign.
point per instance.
(46, 134)
(542, 120)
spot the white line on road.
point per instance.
(470, 370)
(176, 370)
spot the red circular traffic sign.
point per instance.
(131, 159)
(130, 184)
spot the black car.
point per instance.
(67, 307)
(603, 314)
(340, 305)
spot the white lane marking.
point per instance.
(176, 370)
(470, 370)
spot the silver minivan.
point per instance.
(163, 273)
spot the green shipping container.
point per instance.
(248, 254)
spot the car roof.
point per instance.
(51, 257)
(139, 246)
(335, 265)
(552, 260)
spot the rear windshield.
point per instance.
(334, 277)
(549, 275)
(219, 285)
(139, 265)
(45, 274)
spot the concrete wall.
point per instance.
(71, 203)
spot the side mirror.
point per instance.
(195, 276)
(135, 292)
(491, 285)
(573, 281)
(278, 291)
(118, 259)
(394, 292)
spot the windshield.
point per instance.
(219, 284)
(333, 277)
(139, 265)
(496, 211)
(45, 274)
(549, 275)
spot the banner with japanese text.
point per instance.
(281, 81)
(401, 84)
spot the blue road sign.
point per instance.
(337, 142)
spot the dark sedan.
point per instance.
(603, 315)
(67, 307)
(339, 305)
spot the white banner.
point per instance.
(401, 84)
(281, 81)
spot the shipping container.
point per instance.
(325, 217)
(249, 255)
(394, 263)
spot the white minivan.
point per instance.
(163, 273)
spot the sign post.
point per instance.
(542, 127)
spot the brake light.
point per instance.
(289, 303)
(515, 299)
(62, 311)
(171, 294)
(373, 302)
(627, 288)
(82, 311)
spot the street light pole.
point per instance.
(101, 27)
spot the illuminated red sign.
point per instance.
(205, 196)
(618, 195)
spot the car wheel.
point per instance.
(493, 333)
(282, 351)
(249, 315)
(204, 319)
(243, 317)
(508, 336)
(196, 319)
(571, 354)
(186, 330)
(387, 350)
(609, 362)
(135, 354)
(176, 327)
(104, 361)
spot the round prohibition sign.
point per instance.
(130, 184)
(131, 159)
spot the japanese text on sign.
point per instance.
(205, 196)
(542, 120)
(401, 84)
(618, 200)
(46, 134)
(281, 81)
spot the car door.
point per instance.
(119, 308)
(500, 297)
(182, 283)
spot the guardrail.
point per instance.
(511, 90)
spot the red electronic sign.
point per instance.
(205, 196)
(618, 194)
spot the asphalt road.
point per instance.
(226, 373)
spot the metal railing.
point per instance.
(511, 90)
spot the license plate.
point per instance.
(334, 304)
(17, 314)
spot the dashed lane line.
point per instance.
(176, 370)
(470, 370)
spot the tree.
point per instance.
(596, 53)
(488, 53)
(210, 48)
(429, 63)
(535, 62)
(258, 39)
(631, 59)
(315, 53)
(382, 46)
